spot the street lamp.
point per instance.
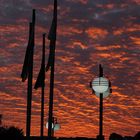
(55, 125)
(102, 88)
(100, 84)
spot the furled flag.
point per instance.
(40, 82)
(25, 68)
(52, 36)
(29, 51)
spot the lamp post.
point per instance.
(55, 125)
(101, 88)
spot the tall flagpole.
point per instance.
(51, 98)
(40, 83)
(30, 77)
(42, 95)
(52, 37)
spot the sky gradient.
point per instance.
(89, 32)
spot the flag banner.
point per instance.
(25, 68)
(52, 37)
(51, 52)
(52, 32)
(29, 51)
(40, 82)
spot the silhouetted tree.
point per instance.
(2, 132)
(128, 138)
(11, 133)
(0, 119)
(137, 136)
(115, 136)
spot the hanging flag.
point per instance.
(50, 59)
(52, 32)
(25, 68)
(52, 36)
(29, 51)
(40, 82)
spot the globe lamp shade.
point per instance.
(54, 126)
(105, 94)
(100, 85)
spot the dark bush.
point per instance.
(115, 136)
(11, 133)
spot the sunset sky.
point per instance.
(89, 32)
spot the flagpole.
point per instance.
(30, 77)
(50, 120)
(52, 38)
(51, 100)
(42, 113)
(42, 95)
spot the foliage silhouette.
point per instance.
(115, 136)
(137, 136)
(11, 133)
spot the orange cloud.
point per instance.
(67, 30)
(79, 44)
(96, 33)
(136, 40)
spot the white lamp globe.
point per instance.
(56, 127)
(105, 94)
(100, 84)
(47, 125)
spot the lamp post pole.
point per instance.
(101, 106)
(102, 88)
(101, 117)
(55, 126)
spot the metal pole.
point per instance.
(42, 112)
(52, 38)
(53, 127)
(101, 117)
(29, 95)
(30, 77)
(42, 95)
(51, 98)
